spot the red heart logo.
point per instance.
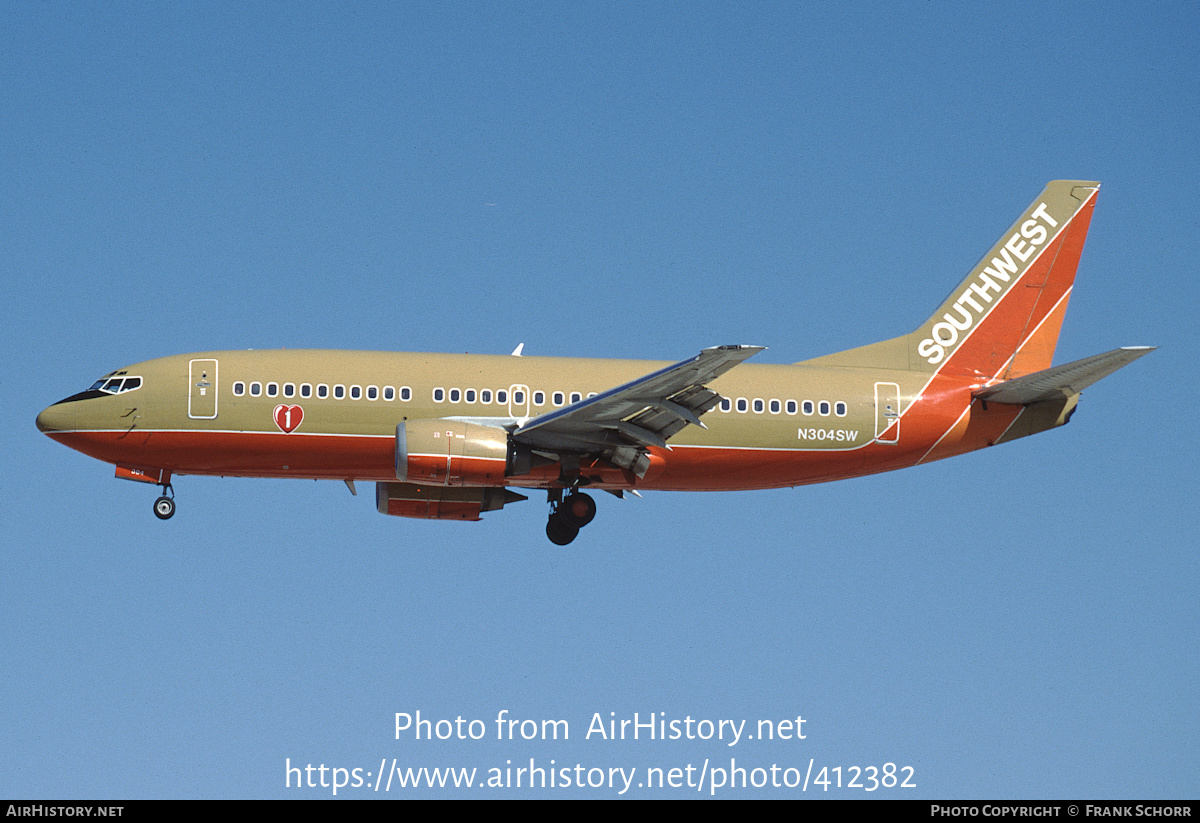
(288, 418)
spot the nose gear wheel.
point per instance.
(164, 507)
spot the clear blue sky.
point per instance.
(617, 180)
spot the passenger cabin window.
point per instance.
(239, 388)
(485, 396)
(774, 407)
(255, 389)
(455, 395)
(322, 391)
(439, 395)
(372, 392)
(758, 405)
(840, 409)
(807, 408)
(741, 404)
(306, 389)
(791, 407)
(289, 389)
(339, 392)
(469, 395)
(559, 398)
(539, 398)
(726, 404)
(356, 392)
(389, 392)
(576, 397)
(405, 393)
(823, 409)
(502, 397)
(272, 389)
(519, 397)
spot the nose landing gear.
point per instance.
(164, 507)
(568, 515)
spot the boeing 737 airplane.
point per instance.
(448, 436)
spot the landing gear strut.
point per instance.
(164, 507)
(568, 515)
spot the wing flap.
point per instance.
(1061, 381)
(643, 413)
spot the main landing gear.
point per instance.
(568, 515)
(164, 507)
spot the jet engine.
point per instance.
(451, 453)
(440, 502)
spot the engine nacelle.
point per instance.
(440, 502)
(450, 453)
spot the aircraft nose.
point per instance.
(56, 418)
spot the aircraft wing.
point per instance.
(622, 422)
(1064, 380)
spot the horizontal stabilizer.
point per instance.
(1062, 381)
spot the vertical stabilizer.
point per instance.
(1003, 320)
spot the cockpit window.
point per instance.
(116, 385)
